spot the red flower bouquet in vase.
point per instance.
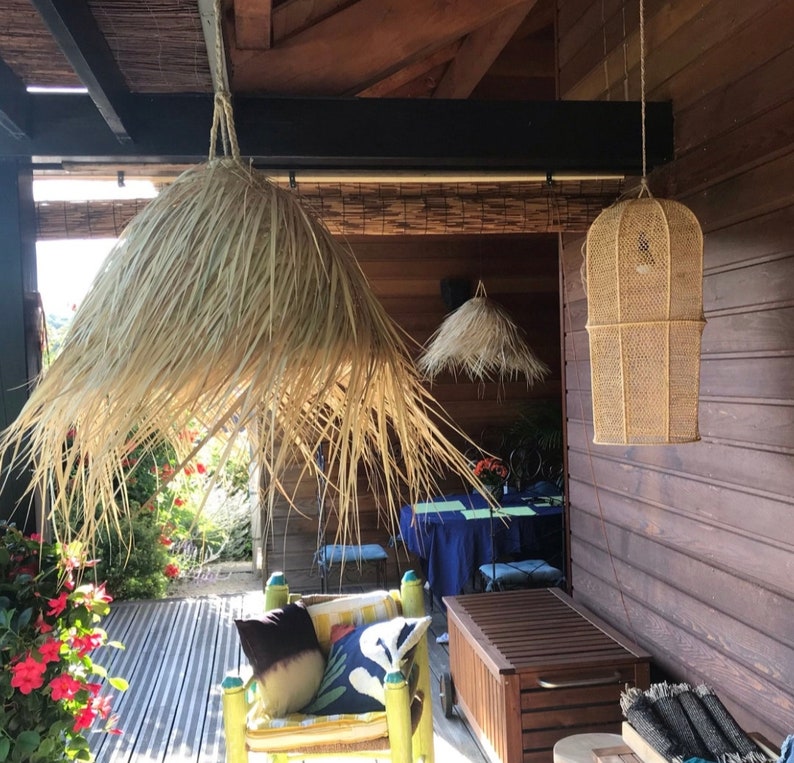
(492, 472)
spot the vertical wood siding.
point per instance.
(690, 549)
(519, 272)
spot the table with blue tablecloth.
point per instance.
(452, 533)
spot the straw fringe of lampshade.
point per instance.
(480, 340)
(226, 304)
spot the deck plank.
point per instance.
(177, 653)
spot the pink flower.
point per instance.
(93, 688)
(65, 687)
(42, 626)
(92, 595)
(50, 650)
(36, 537)
(57, 606)
(102, 706)
(28, 675)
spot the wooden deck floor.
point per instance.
(177, 652)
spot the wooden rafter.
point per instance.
(411, 72)
(296, 15)
(330, 57)
(478, 51)
(253, 24)
(13, 103)
(77, 34)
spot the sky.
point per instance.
(66, 268)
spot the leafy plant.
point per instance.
(50, 690)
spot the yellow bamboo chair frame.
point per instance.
(409, 714)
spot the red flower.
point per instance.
(36, 537)
(171, 570)
(201, 469)
(65, 686)
(84, 718)
(165, 541)
(57, 606)
(42, 626)
(189, 470)
(491, 471)
(179, 501)
(28, 675)
(84, 644)
(93, 688)
(50, 650)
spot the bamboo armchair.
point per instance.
(403, 733)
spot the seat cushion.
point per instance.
(357, 609)
(297, 731)
(286, 658)
(358, 663)
(527, 572)
(368, 552)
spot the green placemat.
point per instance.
(480, 514)
(438, 506)
(519, 511)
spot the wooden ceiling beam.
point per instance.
(586, 137)
(253, 24)
(411, 72)
(296, 15)
(13, 103)
(478, 51)
(78, 36)
(330, 57)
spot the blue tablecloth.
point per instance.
(453, 546)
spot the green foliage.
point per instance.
(48, 628)
(132, 562)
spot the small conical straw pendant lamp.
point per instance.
(644, 268)
(480, 340)
(225, 303)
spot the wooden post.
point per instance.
(413, 604)
(276, 591)
(20, 350)
(234, 718)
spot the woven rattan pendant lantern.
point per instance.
(644, 264)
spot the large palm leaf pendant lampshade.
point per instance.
(644, 265)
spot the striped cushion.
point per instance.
(279, 734)
(357, 609)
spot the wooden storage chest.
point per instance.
(531, 666)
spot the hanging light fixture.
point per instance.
(227, 304)
(644, 281)
(480, 340)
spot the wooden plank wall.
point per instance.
(691, 548)
(519, 272)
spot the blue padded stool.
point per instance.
(527, 573)
(369, 553)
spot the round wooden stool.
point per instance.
(578, 748)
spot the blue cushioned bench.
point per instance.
(527, 573)
(368, 553)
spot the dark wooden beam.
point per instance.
(363, 133)
(75, 30)
(20, 352)
(13, 103)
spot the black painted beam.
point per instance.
(20, 353)
(75, 30)
(13, 103)
(366, 133)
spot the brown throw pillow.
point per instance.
(285, 655)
